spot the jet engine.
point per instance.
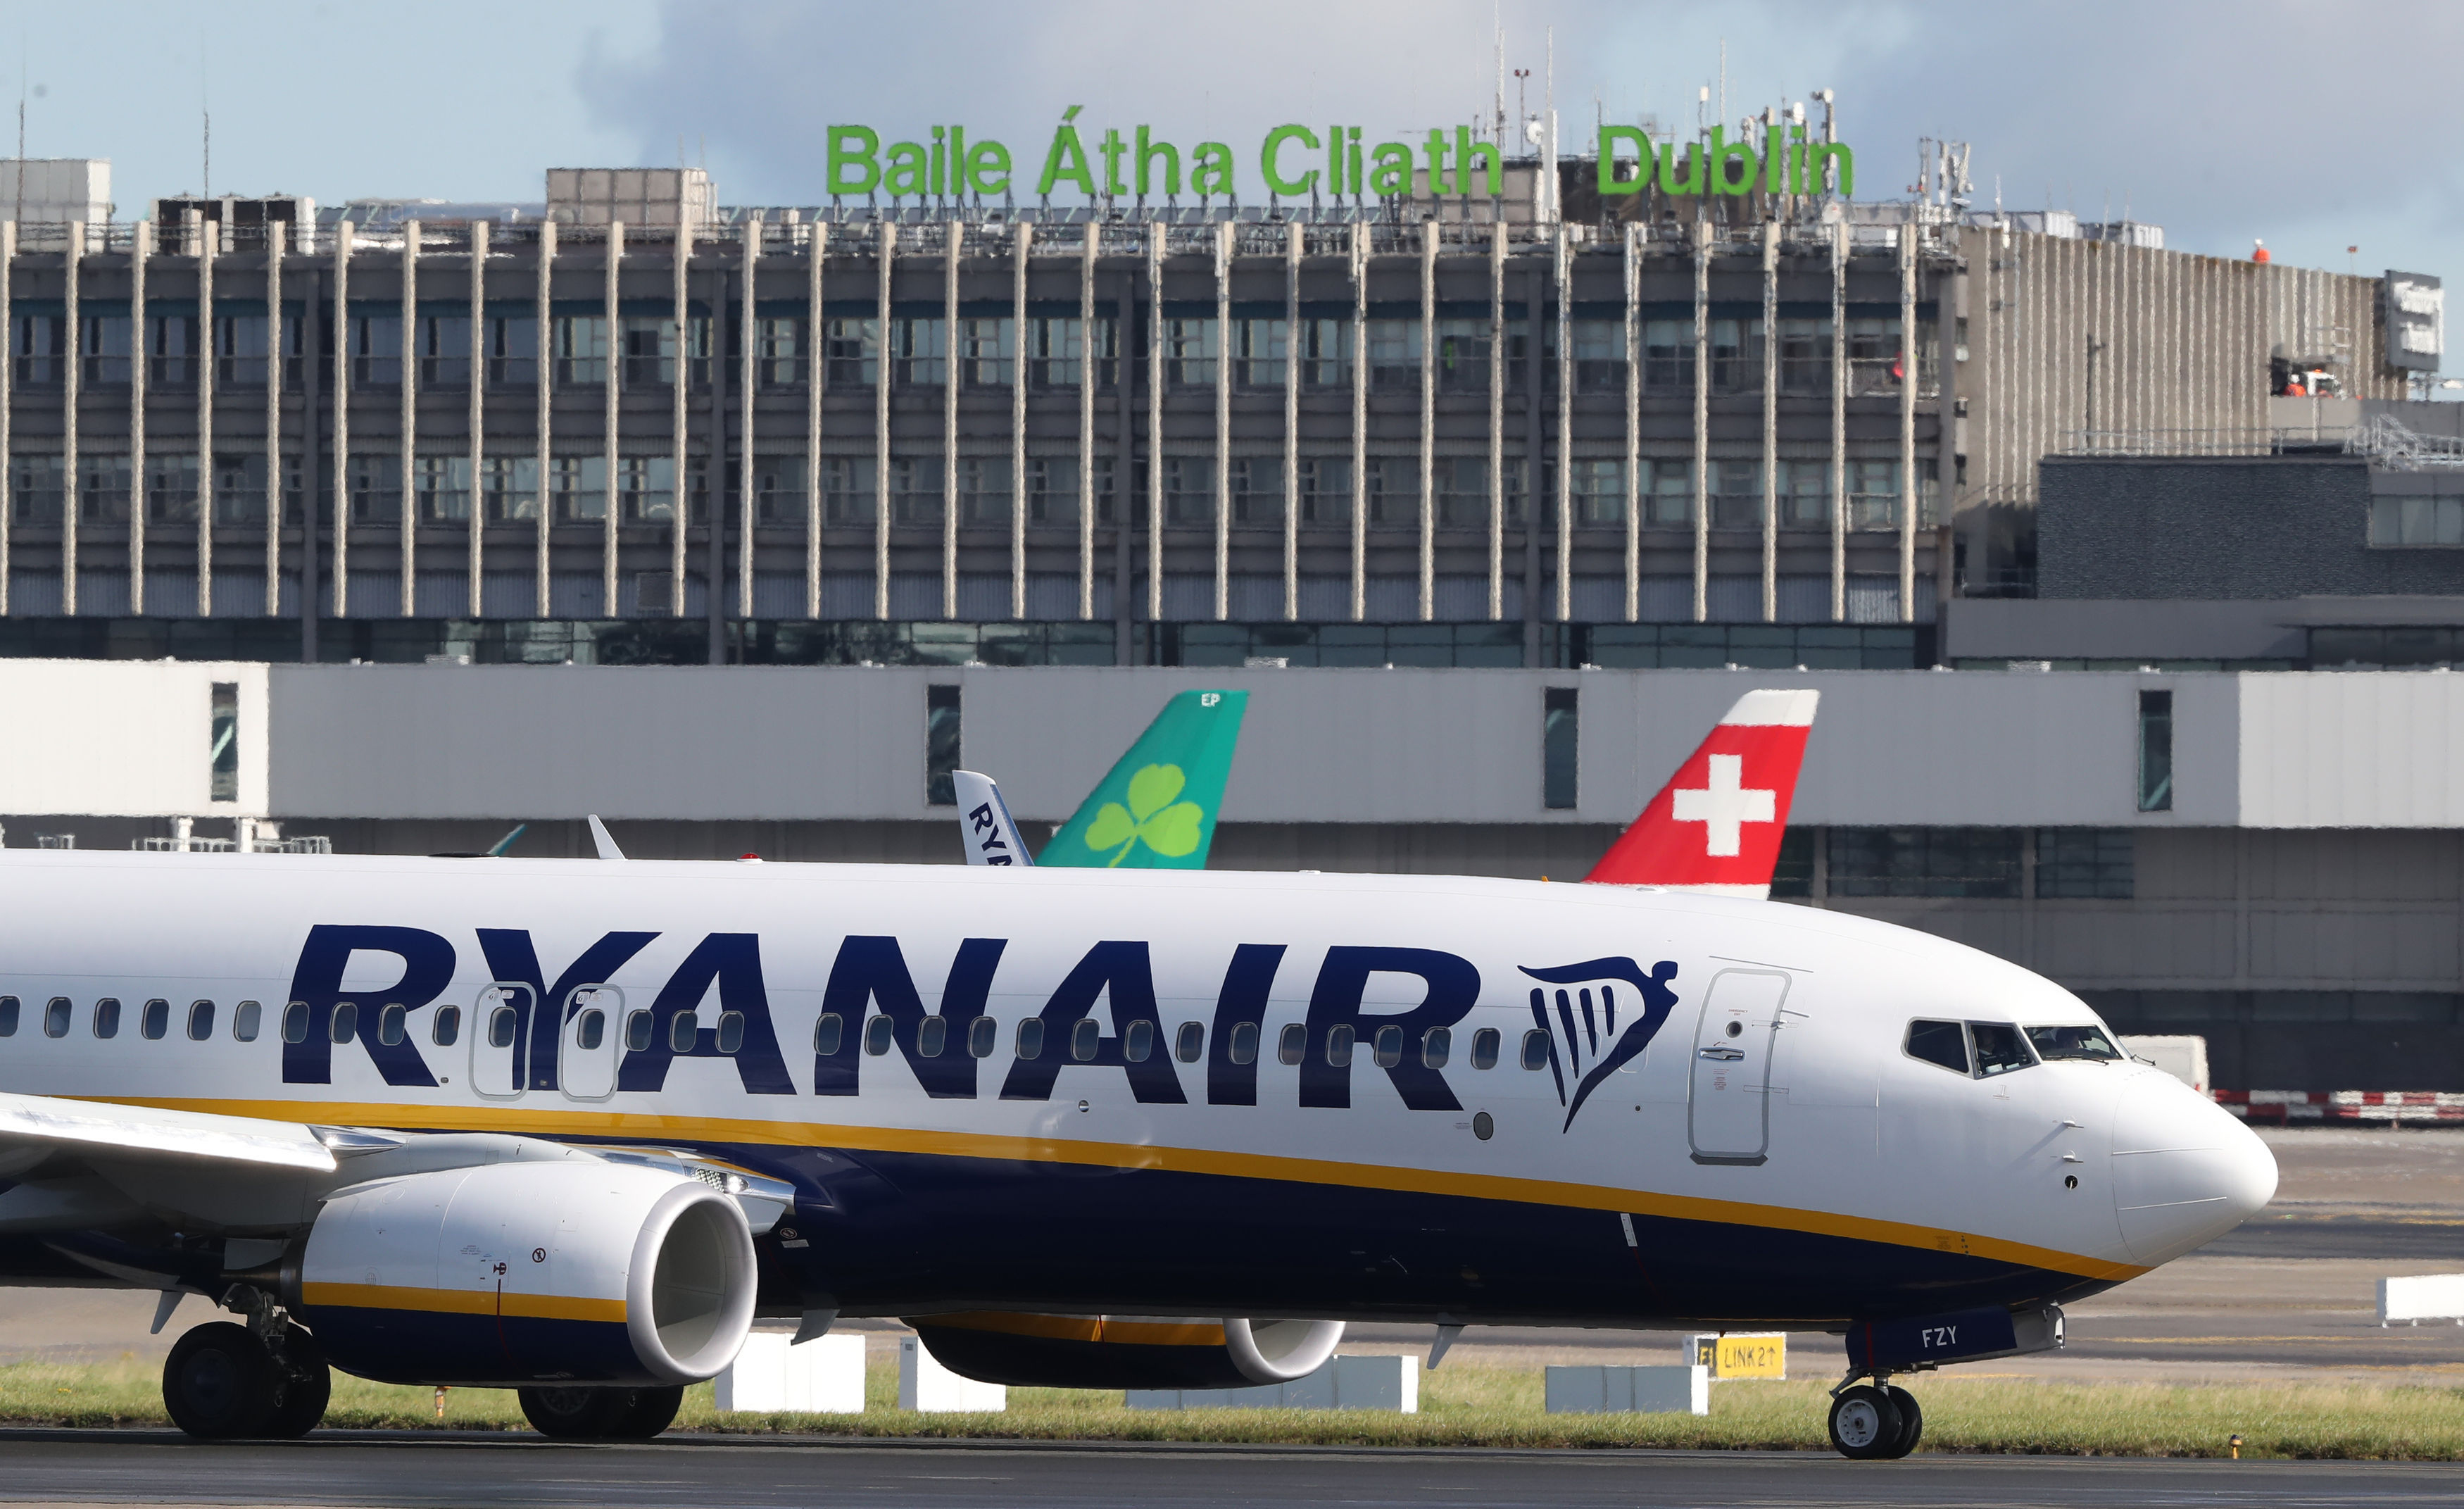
(1123, 1351)
(511, 1273)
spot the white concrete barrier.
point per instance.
(928, 1388)
(824, 1376)
(1344, 1383)
(1624, 1391)
(2426, 1297)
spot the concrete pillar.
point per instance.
(140, 247)
(1770, 421)
(1224, 348)
(1561, 285)
(7, 405)
(1359, 421)
(544, 431)
(1095, 237)
(410, 595)
(817, 378)
(1701, 454)
(882, 367)
(1839, 423)
(611, 394)
(953, 240)
(1024, 235)
(1295, 238)
(475, 501)
(1907, 250)
(1154, 422)
(1634, 248)
(342, 418)
(1429, 233)
(745, 374)
(74, 269)
(1496, 419)
(208, 243)
(679, 394)
(1125, 448)
(276, 234)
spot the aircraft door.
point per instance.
(500, 1037)
(1728, 1102)
(594, 1018)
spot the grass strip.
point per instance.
(1464, 1403)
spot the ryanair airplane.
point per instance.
(571, 1127)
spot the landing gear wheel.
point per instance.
(578, 1414)
(653, 1410)
(1911, 1421)
(305, 1385)
(219, 1384)
(1865, 1425)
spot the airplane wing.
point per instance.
(36, 1128)
(1716, 826)
(991, 834)
(1156, 810)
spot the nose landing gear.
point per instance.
(1877, 1422)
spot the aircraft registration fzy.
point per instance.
(1587, 1018)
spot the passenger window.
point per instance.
(155, 1023)
(2073, 1042)
(1944, 1043)
(1137, 1043)
(446, 1026)
(878, 1034)
(346, 1020)
(828, 1033)
(1436, 1046)
(730, 1031)
(56, 1018)
(1338, 1046)
(106, 1018)
(391, 1023)
(501, 1022)
(1294, 1044)
(1387, 1047)
(590, 1031)
(1484, 1047)
(1243, 1048)
(684, 1031)
(1191, 1043)
(8, 1016)
(294, 1024)
(201, 1020)
(932, 1036)
(1999, 1049)
(245, 1018)
(1535, 1049)
(983, 1035)
(1030, 1038)
(1085, 1038)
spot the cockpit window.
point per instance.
(2071, 1042)
(1999, 1049)
(1944, 1043)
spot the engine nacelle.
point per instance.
(577, 1273)
(1123, 1351)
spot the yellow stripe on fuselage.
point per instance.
(1145, 1156)
(462, 1301)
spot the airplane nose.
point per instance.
(2184, 1171)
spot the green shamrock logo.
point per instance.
(1167, 827)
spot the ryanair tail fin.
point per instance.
(984, 820)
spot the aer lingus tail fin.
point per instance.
(1157, 808)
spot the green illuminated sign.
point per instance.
(1296, 160)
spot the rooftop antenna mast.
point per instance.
(1497, 30)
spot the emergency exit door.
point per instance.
(1727, 1113)
(500, 1039)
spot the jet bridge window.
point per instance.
(155, 1020)
(2071, 1042)
(106, 1018)
(8, 1016)
(1944, 1043)
(1999, 1049)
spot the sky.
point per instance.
(2225, 123)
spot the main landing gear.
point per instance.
(601, 1415)
(1876, 1422)
(265, 1379)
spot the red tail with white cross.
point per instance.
(1716, 825)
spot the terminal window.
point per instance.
(2085, 863)
(1979, 862)
(223, 729)
(2156, 751)
(1558, 767)
(941, 744)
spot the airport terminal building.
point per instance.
(2126, 574)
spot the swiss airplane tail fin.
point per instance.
(991, 833)
(1716, 826)
(1156, 810)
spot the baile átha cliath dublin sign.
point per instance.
(1300, 160)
